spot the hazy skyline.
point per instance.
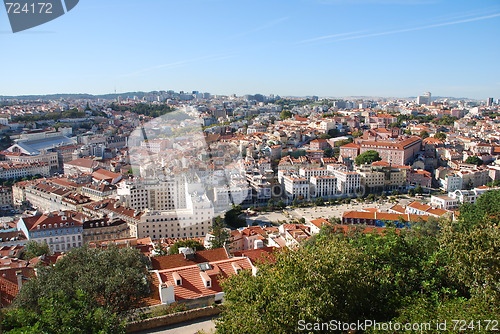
(289, 48)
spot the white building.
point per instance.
(59, 230)
(348, 183)
(172, 208)
(323, 186)
(310, 172)
(296, 187)
(225, 197)
(193, 221)
(12, 170)
(444, 202)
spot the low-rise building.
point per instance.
(6, 199)
(13, 170)
(59, 230)
(105, 229)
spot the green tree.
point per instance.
(232, 217)
(114, 278)
(424, 134)
(367, 157)
(305, 284)
(33, 249)
(395, 193)
(328, 152)
(440, 270)
(219, 232)
(285, 114)
(357, 133)
(160, 249)
(324, 136)
(61, 313)
(333, 133)
(193, 244)
(440, 136)
(474, 159)
(411, 192)
(319, 201)
(419, 190)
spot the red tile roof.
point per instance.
(178, 260)
(192, 276)
(258, 255)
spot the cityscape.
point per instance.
(227, 167)
(162, 170)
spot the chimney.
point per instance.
(19, 276)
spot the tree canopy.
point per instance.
(440, 136)
(114, 278)
(356, 134)
(34, 249)
(474, 159)
(195, 245)
(285, 114)
(61, 313)
(424, 134)
(219, 232)
(437, 271)
(151, 110)
(367, 157)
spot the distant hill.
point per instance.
(140, 95)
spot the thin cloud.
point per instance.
(264, 26)
(179, 63)
(398, 31)
(330, 36)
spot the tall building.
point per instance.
(489, 102)
(425, 99)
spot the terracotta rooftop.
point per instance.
(178, 260)
(192, 285)
(258, 255)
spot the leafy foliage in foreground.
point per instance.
(447, 271)
(116, 278)
(62, 314)
(87, 291)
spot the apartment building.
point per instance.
(13, 170)
(193, 221)
(296, 187)
(398, 152)
(462, 179)
(6, 198)
(59, 230)
(153, 194)
(310, 172)
(323, 186)
(348, 183)
(104, 229)
(47, 196)
(45, 157)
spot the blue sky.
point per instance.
(388, 48)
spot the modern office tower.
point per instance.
(489, 102)
(425, 99)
